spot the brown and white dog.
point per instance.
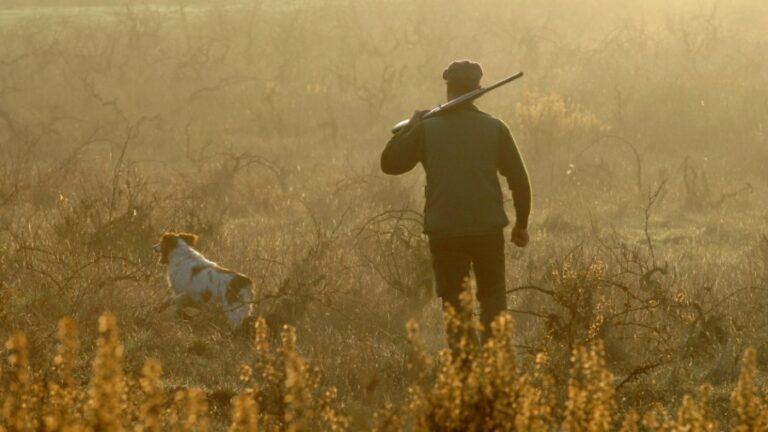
(203, 284)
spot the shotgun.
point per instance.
(474, 94)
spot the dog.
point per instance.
(203, 284)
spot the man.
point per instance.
(461, 150)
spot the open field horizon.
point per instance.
(643, 126)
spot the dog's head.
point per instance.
(170, 240)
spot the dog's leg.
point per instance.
(180, 302)
(236, 314)
(164, 305)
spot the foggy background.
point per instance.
(259, 124)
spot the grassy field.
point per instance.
(259, 128)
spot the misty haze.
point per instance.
(305, 278)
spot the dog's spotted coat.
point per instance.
(198, 282)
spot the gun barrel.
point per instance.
(461, 99)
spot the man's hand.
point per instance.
(520, 237)
(416, 117)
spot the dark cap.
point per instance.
(465, 71)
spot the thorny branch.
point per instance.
(652, 197)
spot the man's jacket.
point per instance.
(462, 150)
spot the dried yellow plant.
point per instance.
(470, 387)
(21, 396)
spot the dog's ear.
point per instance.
(167, 243)
(168, 239)
(189, 239)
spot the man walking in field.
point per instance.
(461, 150)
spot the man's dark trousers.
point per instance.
(452, 258)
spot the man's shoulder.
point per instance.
(484, 113)
(459, 123)
(489, 116)
(492, 118)
(449, 114)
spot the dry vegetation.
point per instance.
(258, 126)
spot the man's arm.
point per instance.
(512, 167)
(405, 149)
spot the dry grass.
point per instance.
(469, 388)
(259, 128)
